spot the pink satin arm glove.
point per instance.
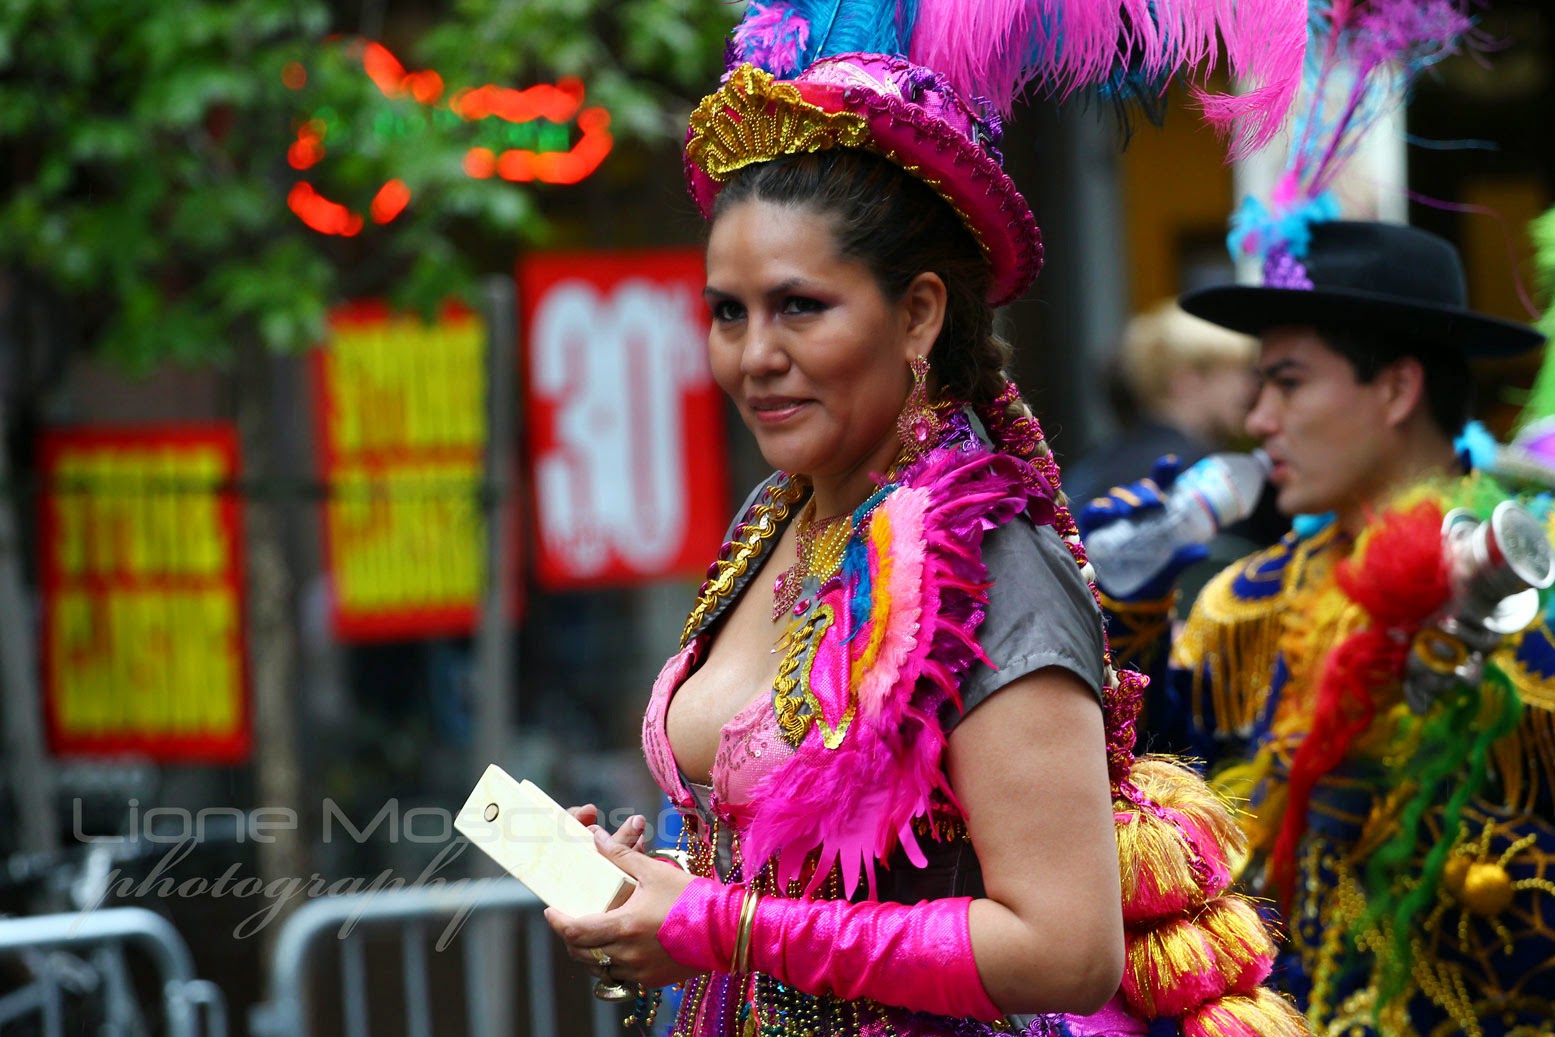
(917, 957)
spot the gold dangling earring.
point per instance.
(918, 427)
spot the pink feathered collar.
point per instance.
(897, 632)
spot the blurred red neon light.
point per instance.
(320, 213)
(390, 201)
(555, 103)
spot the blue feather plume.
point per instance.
(867, 26)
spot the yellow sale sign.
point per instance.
(142, 577)
(401, 407)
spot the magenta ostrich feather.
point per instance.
(772, 36)
(1363, 58)
(998, 49)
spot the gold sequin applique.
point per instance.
(750, 541)
(754, 118)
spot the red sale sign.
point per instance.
(625, 423)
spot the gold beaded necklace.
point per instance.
(820, 547)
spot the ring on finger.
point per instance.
(600, 957)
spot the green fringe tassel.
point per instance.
(1453, 753)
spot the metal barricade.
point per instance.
(414, 911)
(82, 954)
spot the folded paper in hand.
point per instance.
(541, 845)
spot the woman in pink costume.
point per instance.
(904, 761)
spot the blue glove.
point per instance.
(1135, 502)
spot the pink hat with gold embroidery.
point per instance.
(926, 85)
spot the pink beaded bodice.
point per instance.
(750, 745)
(656, 742)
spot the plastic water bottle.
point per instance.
(1212, 494)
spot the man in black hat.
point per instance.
(1364, 374)
(1412, 849)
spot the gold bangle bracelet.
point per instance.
(742, 939)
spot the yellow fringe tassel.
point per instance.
(1229, 647)
(1154, 861)
(1170, 969)
(1170, 784)
(1239, 933)
(1263, 1014)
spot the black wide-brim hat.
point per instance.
(1371, 278)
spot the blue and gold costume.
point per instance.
(1473, 909)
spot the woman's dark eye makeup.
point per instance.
(795, 304)
(725, 310)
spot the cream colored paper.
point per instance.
(540, 844)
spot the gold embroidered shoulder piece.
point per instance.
(1231, 639)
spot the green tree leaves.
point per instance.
(147, 179)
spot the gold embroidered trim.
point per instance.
(1524, 759)
(1474, 925)
(750, 540)
(1534, 689)
(754, 118)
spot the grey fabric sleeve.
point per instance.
(1040, 614)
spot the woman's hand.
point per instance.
(588, 814)
(629, 934)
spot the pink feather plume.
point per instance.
(1378, 48)
(997, 48)
(854, 805)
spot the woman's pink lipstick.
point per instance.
(774, 410)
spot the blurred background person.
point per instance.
(1182, 386)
